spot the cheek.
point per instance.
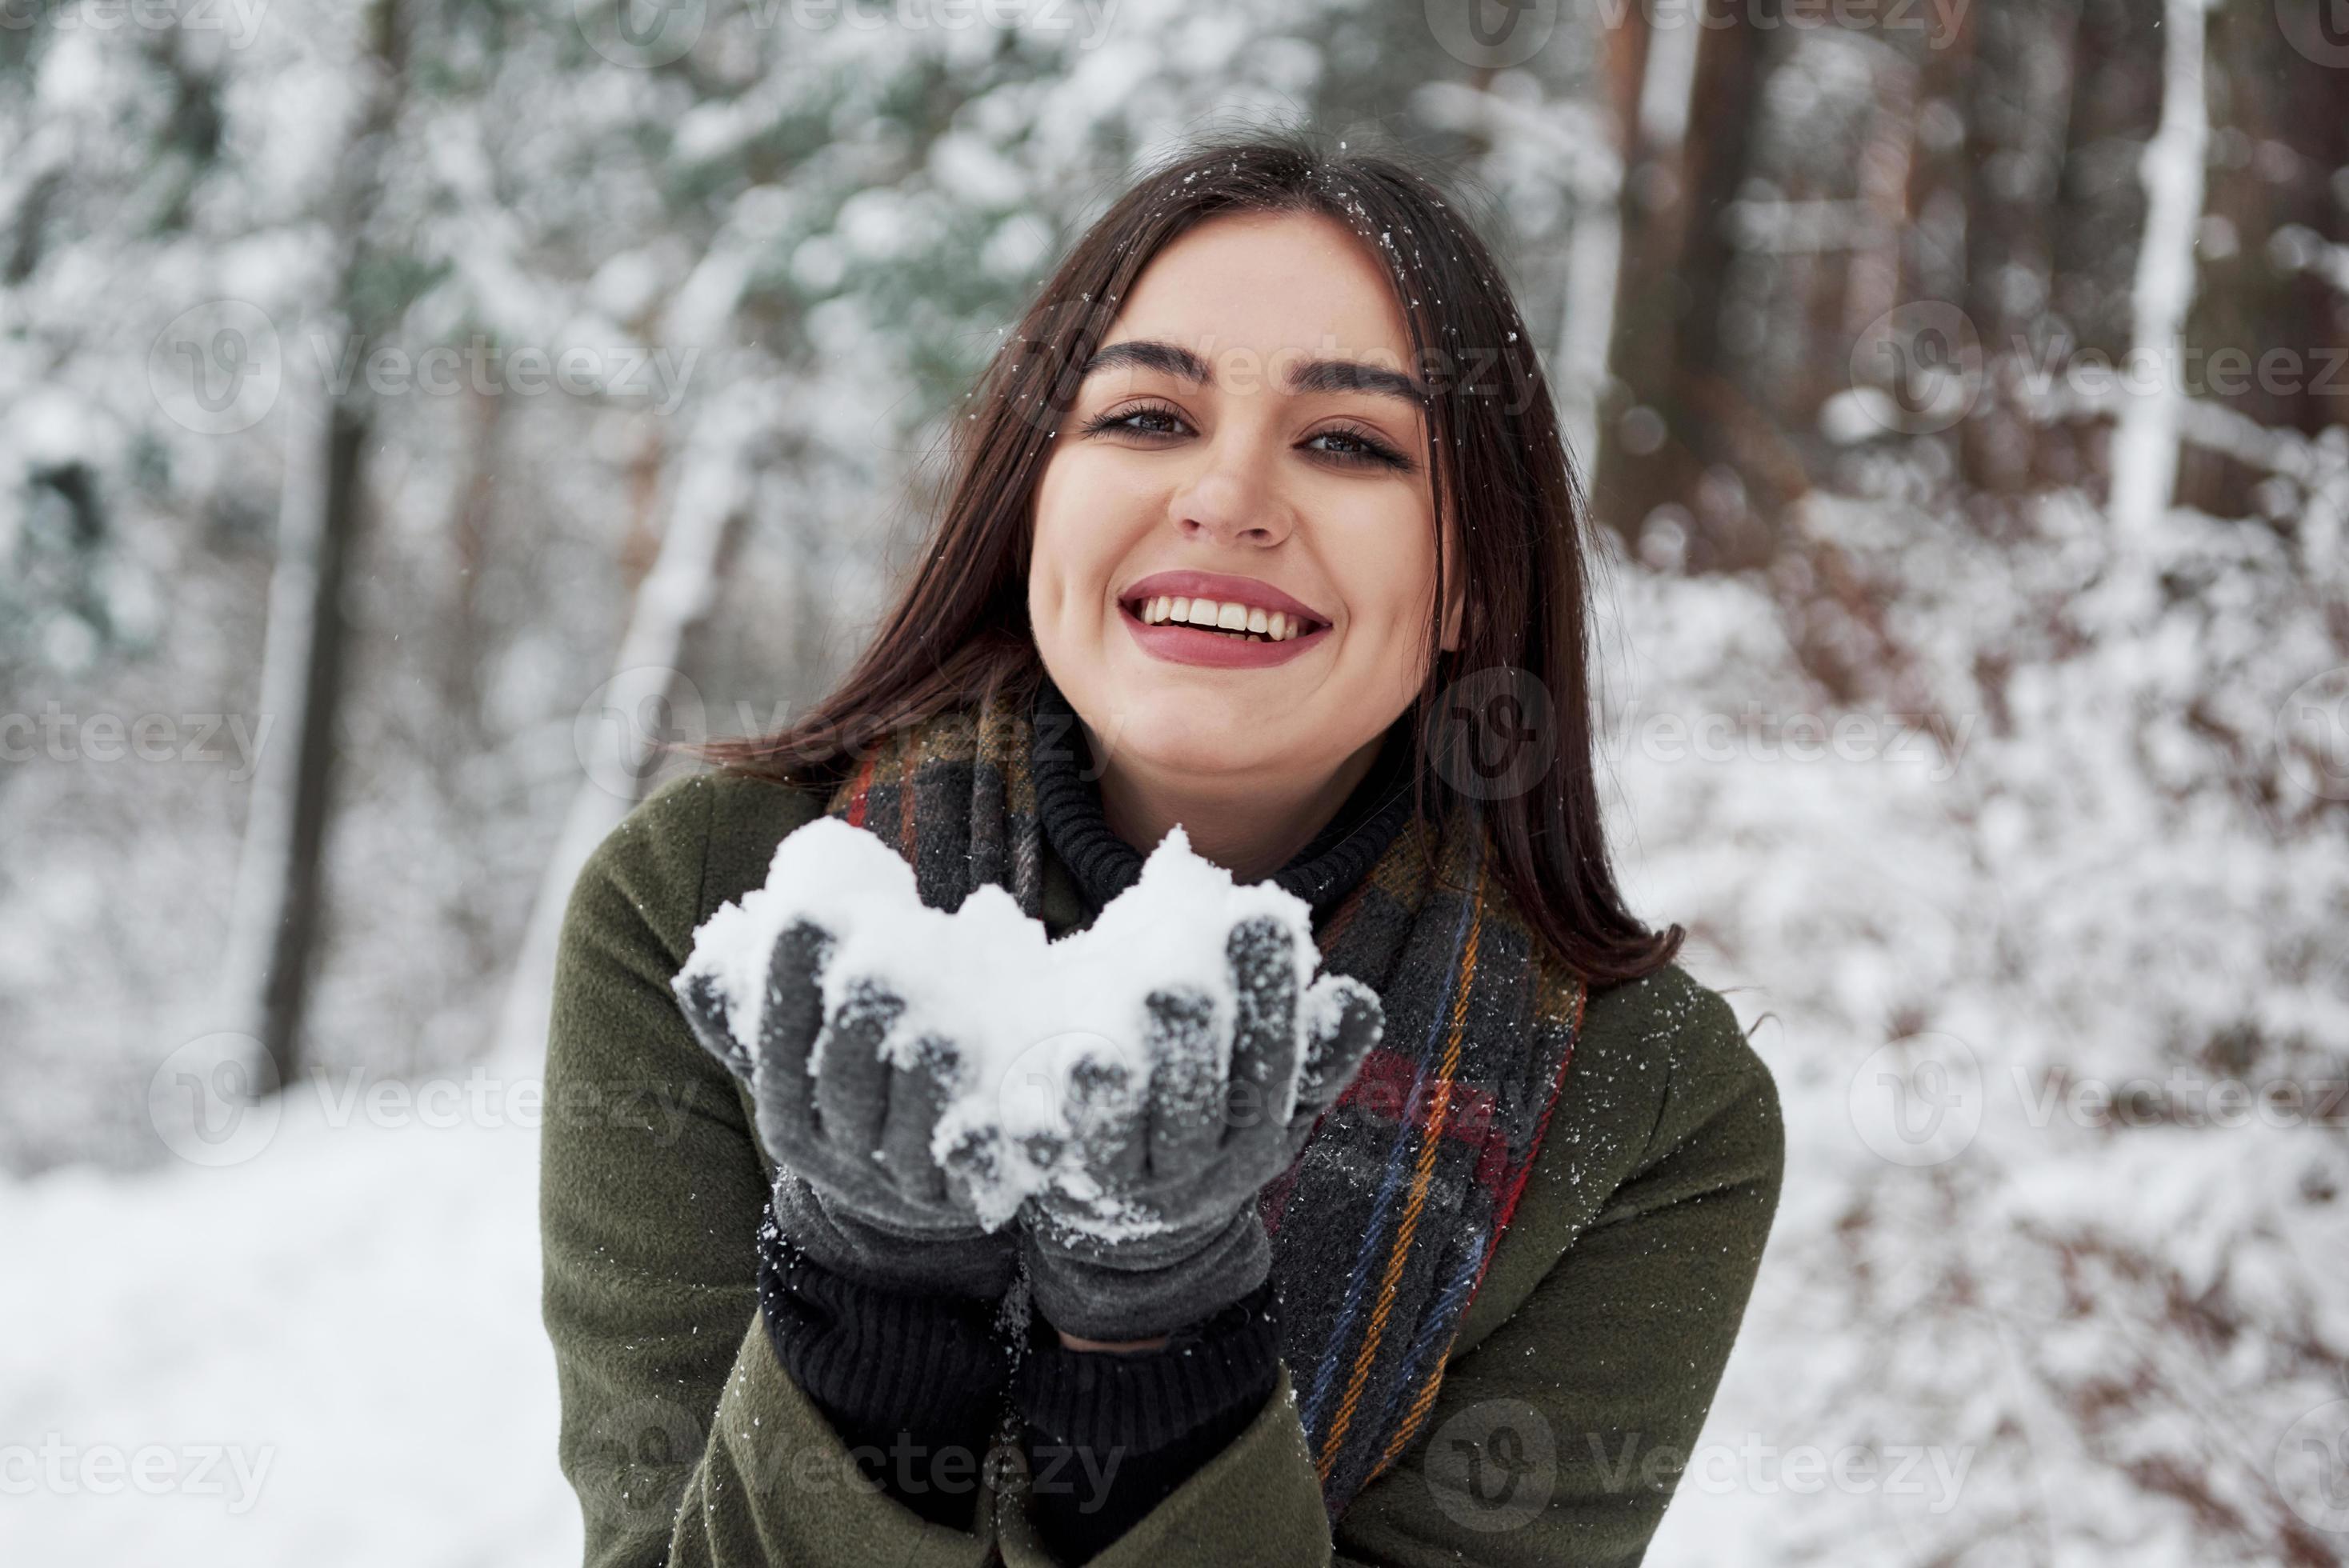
(1077, 541)
(1392, 587)
(1389, 590)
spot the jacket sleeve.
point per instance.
(1560, 1436)
(684, 1437)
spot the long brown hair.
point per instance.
(958, 631)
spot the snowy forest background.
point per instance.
(1965, 391)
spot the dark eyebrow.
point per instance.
(1312, 376)
(1353, 376)
(1147, 355)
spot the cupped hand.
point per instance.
(1151, 1223)
(848, 1115)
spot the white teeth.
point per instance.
(1273, 626)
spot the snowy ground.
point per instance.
(350, 1315)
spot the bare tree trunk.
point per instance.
(633, 711)
(1581, 137)
(1594, 260)
(1887, 161)
(1682, 170)
(2017, 83)
(2268, 275)
(279, 877)
(280, 889)
(1638, 464)
(2145, 441)
(463, 635)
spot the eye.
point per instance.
(1141, 419)
(1358, 448)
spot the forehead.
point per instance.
(1267, 281)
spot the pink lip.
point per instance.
(1223, 589)
(1181, 643)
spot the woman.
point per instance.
(1284, 395)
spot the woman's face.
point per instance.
(1249, 435)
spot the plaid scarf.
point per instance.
(1383, 1229)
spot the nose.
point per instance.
(1230, 501)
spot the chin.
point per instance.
(1236, 756)
(1185, 726)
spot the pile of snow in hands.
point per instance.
(1026, 1014)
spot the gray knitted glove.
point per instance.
(1186, 1154)
(857, 1188)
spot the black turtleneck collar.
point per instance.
(1103, 865)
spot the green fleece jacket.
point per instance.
(1572, 1395)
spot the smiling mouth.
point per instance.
(1240, 621)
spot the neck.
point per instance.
(1251, 826)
